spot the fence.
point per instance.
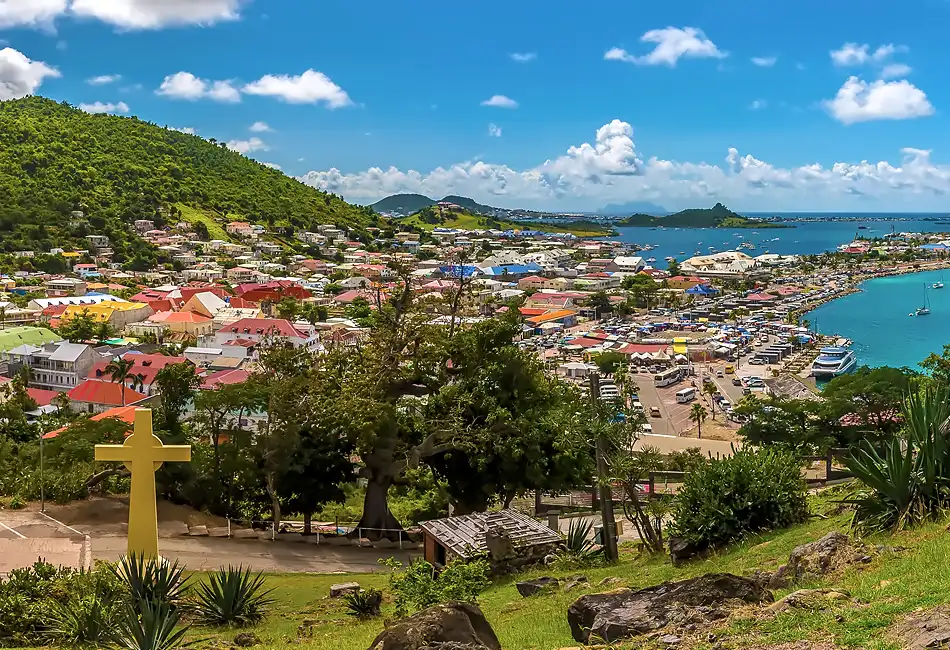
(328, 533)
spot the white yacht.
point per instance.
(832, 362)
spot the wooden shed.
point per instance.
(508, 538)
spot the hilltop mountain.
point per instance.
(633, 207)
(55, 159)
(718, 216)
(430, 218)
(411, 203)
(403, 203)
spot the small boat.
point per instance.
(938, 284)
(651, 260)
(925, 310)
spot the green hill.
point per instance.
(55, 159)
(410, 203)
(718, 216)
(404, 203)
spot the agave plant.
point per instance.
(364, 603)
(578, 541)
(232, 596)
(81, 621)
(907, 481)
(152, 580)
(148, 625)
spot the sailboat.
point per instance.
(938, 284)
(923, 311)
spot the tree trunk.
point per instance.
(275, 501)
(377, 521)
(307, 523)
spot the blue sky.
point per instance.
(371, 98)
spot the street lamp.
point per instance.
(42, 477)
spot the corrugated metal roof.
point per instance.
(465, 535)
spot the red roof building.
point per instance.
(125, 414)
(94, 396)
(146, 365)
(272, 291)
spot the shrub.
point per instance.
(232, 596)
(419, 585)
(751, 491)
(147, 625)
(908, 481)
(151, 580)
(364, 603)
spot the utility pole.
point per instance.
(606, 490)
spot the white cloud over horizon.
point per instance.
(523, 57)
(494, 130)
(764, 61)
(122, 14)
(250, 145)
(860, 101)
(672, 44)
(611, 169)
(500, 101)
(100, 107)
(185, 85)
(21, 76)
(311, 87)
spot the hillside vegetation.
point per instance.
(409, 203)
(718, 216)
(55, 159)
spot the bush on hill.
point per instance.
(749, 492)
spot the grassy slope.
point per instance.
(194, 215)
(919, 577)
(468, 221)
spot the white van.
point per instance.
(686, 395)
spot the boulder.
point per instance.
(813, 599)
(449, 626)
(682, 550)
(574, 582)
(926, 629)
(218, 531)
(531, 587)
(246, 640)
(625, 613)
(244, 533)
(831, 552)
(343, 588)
(198, 531)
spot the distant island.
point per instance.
(632, 207)
(411, 203)
(718, 216)
(429, 218)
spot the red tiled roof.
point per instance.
(225, 378)
(147, 365)
(630, 348)
(103, 392)
(260, 326)
(349, 296)
(41, 396)
(126, 414)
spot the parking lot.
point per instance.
(28, 535)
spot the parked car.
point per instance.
(655, 411)
(736, 381)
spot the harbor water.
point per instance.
(877, 319)
(804, 238)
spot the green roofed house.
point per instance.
(13, 337)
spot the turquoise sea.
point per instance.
(877, 320)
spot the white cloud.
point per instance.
(860, 101)
(247, 146)
(852, 54)
(311, 87)
(104, 79)
(154, 14)
(30, 13)
(272, 165)
(259, 127)
(19, 76)
(758, 104)
(190, 130)
(764, 61)
(500, 101)
(494, 130)
(99, 107)
(895, 70)
(523, 57)
(184, 85)
(610, 170)
(672, 44)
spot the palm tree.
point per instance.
(698, 415)
(138, 382)
(120, 369)
(711, 389)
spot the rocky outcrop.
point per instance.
(449, 626)
(924, 630)
(531, 587)
(344, 588)
(833, 551)
(625, 613)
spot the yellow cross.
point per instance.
(143, 453)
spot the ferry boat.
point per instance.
(650, 260)
(833, 362)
